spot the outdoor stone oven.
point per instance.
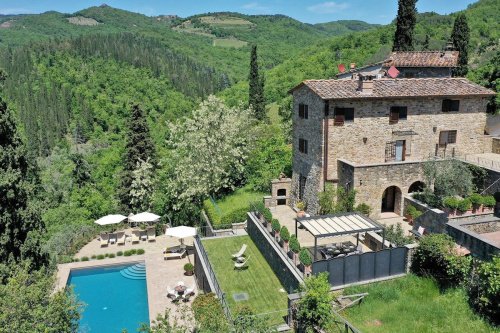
(280, 192)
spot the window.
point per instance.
(343, 115)
(450, 105)
(398, 113)
(447, 137)
(303, 111)
(303, 146)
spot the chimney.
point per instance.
(448, 48)
(365, 84)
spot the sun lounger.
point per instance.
(104, 239)
(240, 265)
(151, 234)
(136, 236)
(120, 238)
(174, 255)
(240, 252)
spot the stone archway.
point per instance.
(417, 186)
(391, 200)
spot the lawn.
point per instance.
(232, 208)
(258, 281)
(413, 304)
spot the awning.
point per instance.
(338, 224)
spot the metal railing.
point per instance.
(218, 291)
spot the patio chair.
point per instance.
(151, 234)
(241, 265)
(240, 252)
(136, 236)
(189, 291)
(186, 297)
(171, 293)
(104, 239)
(419, 232)
(120, 238)
(112, 238)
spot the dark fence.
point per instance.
(274, 256)
(209, 274)
(363, 267)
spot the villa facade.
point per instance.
(372, 134)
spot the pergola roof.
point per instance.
(338, 224)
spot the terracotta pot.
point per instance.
(285, 246)
(189, 273)
(301, 213)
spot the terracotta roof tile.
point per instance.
(422, 59)
(397, 88)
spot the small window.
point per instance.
(450, 105)
(303, 146)
(398, 113)
(303, 111)
(343, 115)
(447, 137)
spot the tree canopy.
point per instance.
(405, 25)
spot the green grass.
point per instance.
(239, 200)
(229, 42)
(413, 304)
(259, 281)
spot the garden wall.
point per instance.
(464, 233)
(286, 273)
(432, 219)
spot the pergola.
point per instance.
(338, 225)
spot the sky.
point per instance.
(309, 11)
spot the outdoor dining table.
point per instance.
(180, 289)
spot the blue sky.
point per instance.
(311, 11)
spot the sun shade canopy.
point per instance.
(181, 232)
(110, 219)
(338, 224)
(144, 217)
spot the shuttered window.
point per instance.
(303, 111)
(450, 105)
(398, 113)
(447, 137)
(303, 146)
(343, 115)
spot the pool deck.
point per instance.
(160, 273)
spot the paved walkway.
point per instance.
(388, 219)
(160, 273)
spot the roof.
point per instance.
(396, 88)
(422, 59)
(338, 224)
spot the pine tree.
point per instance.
(460, 39)
(81, 172)
(425, 45)
(405, 23)
(139, 148)
(256, 87)
(20, 222)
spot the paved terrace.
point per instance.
(160, 273)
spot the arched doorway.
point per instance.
(416, 187)
(391, 199)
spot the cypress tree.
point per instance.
(425, 45)
(405, 23)
(256, 87)
(139, 147)
(20, 222)
(460, 39)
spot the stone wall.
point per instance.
(479, 247)
(485, 227)
(495, 146)
(432, 219)
(308, 165)
(370, 181)
(364, 140)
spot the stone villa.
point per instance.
(372, 133)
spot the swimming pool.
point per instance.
(115, 297)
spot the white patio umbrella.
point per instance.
(110, 219)
(144, 217)
(181, 232)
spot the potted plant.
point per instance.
(268, 216)
(188, 269)
(305, 259)
(412, 213)
(464, 206)
(301, 206)
(275, 225)
(295, 247)
(451, 204)
(477, 201)
(285, 237)
(489, 203)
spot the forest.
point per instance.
(73, 95)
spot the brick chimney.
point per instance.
(365, 84)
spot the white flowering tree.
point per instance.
(142, 187)
(208, 151)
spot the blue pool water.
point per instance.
(115, 297)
